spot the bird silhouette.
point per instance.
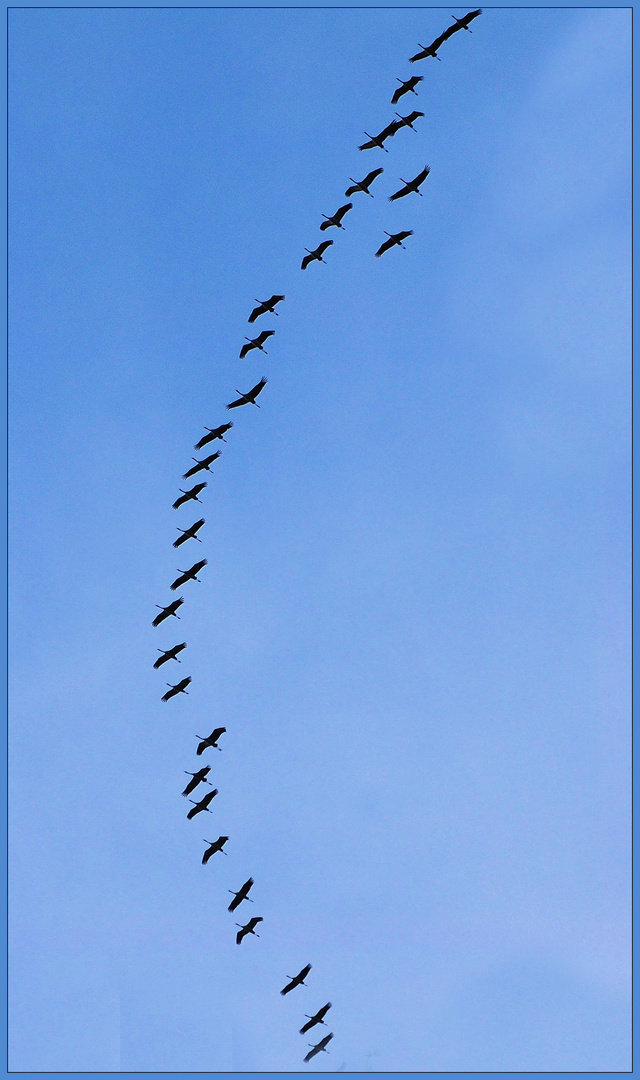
(411, 185)
(250, 397)
(363, 185)
(256, 343)
(249, 928)
(406, 87)
(169, 654)
(394, 238)
(336, 219)
(317, 254)
(214, 433)
(264, 306)
(189, 534)
(191, 494)
(211, 740)
(165, 612)
(214, 845)
(179, 688)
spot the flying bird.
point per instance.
(264, 306)
(405, 87)
(394, 238)
(336, 219)
(240, 895)
(378, 140)
(408, 121)
(363, 185)
(214, 845)
(197, 778)
(463, 23)
(165, 612)
(432, 49)
(250, 398)
(211, 740)
(191, 494)
(169, 654)
(249, 928)
(179, 688)
(322, 1045)
(411, 185)
(214, 433)
(198, 807)
(297, 980)
(256, 343)
(317, 254)
(205, 463)
(318, 1018)
(188, 575)
(189, 534)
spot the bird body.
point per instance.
(170, 609)
(214, 845)
(240, 895)
(205, 463)
(179, 688)
(256, 343)
(322, 1045)
(318, 1018)
(214, 433)
(363, 185)
(297, 980)
(250, 398)
(189, 534)
(198, 807)
(198, 777)
(212, 740)
(191, 494)
(169, 654)
(189, 575)
(411, 185)
(248, 929)
(405, 88)
(336, 219)
(394, 238)
(317, 254)
(264, 306)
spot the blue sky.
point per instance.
(415, 618)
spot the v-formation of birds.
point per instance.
(268, 306)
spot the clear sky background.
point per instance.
(415, 619)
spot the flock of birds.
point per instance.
(200, 776)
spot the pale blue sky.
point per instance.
(415, 617)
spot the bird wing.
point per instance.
(247, 348)
(215, 735)
(366, 146)
(412, 116)
(400, 193)
(179, 501)
(259, 387)
(256, 312)
(275, 299)
(161, 660)
(253, 922)
(384, 247)
(390, 129)
(170, 693)
(305, 262)
(312, 1053)
(179, 581)
(422, 176)
(418, 56)
(197, 567)
(241, 933)
(371, 177)
(398, 94)
(193, 783)
(437, 42)
(193, 470)
(404, 235)
(237, 402)
(339, 214)
(264, 335)
(321, 248)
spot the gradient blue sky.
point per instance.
(415, 620)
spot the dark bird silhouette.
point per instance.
(191, 494)
(318, 1018)
(179, 688)
(463, 23)
(170, 609)
(336, 219)
(198, 807)
(214, 845)
(205, 463)
(256, 343)
(169, 654)
(214, 433)
(408, 121)
(322, 1045)
(250, 398)
(211, 741)
(240, 895)
(411, 185)
(363, 185)
(264, 306)
(297, 980)
(197, 778)
(432, 49)
(405, 88)
(378, 140)
(394, 238)
(189, 575)
(189, 534)
(249, 928)
(317, 254)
